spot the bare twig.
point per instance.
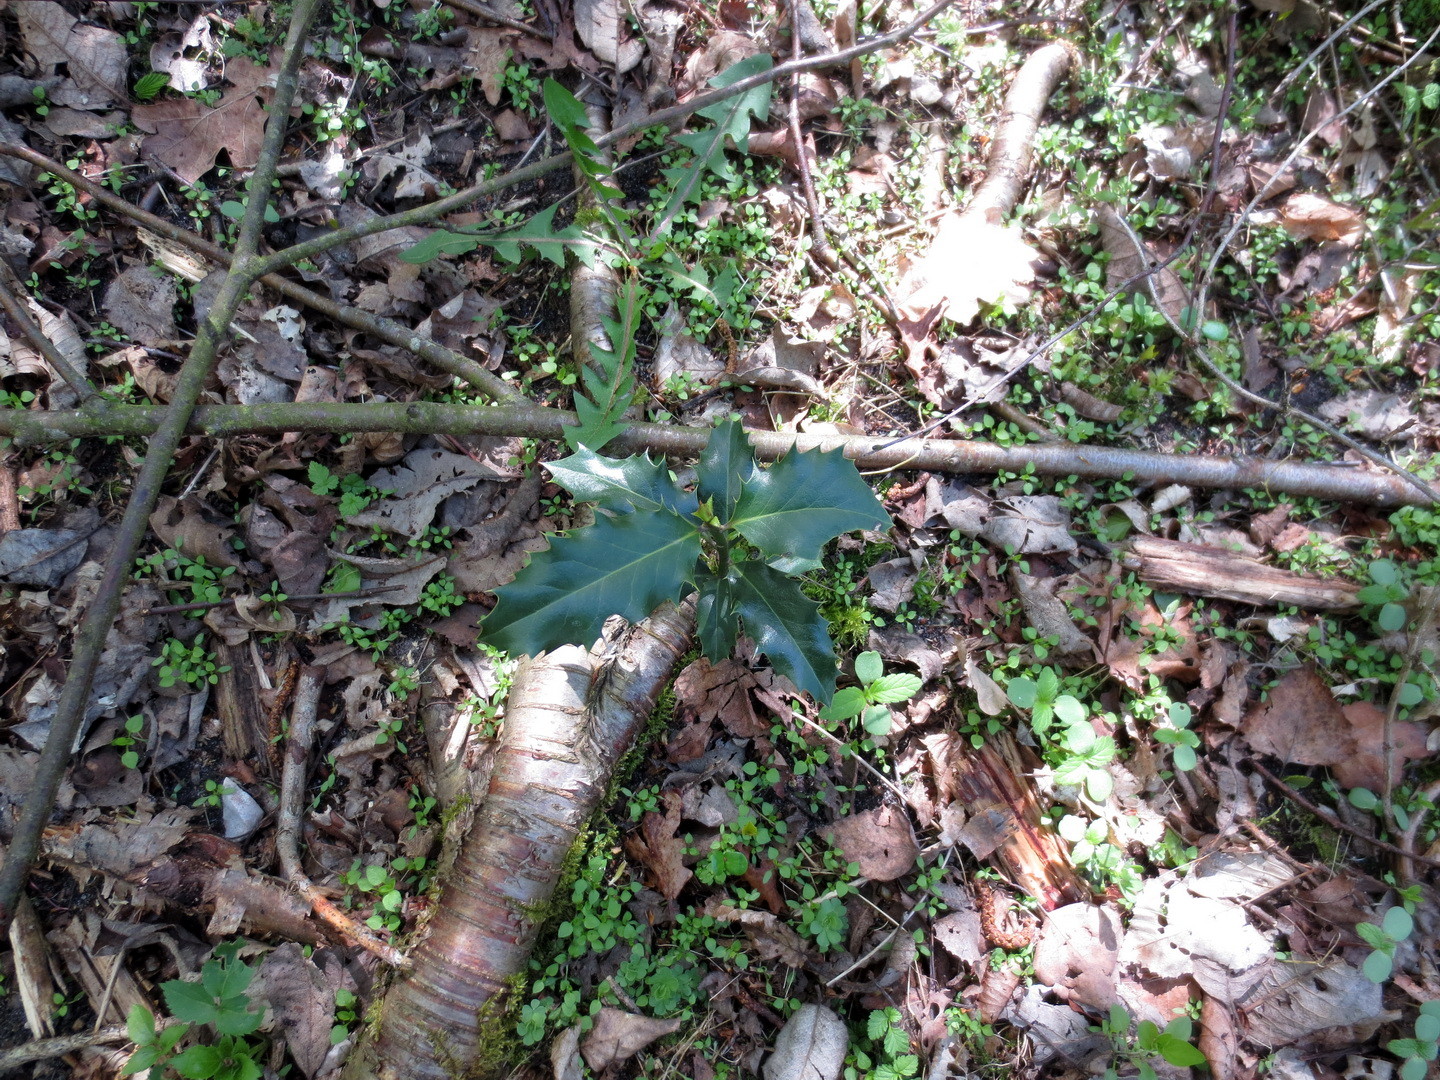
(1336, 482)
(74, 698)
(489, 14)
(45, 1049)
(819, 242)
(386, 330)
(287, 823)
(1333, 821)
(10, 292)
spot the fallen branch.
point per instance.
(160, 454)
(1334, 482)
(568, 720)
(287, 827)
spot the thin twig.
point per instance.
(1336, 482)
(488, 13)
(819, 243)
(287, 823)
(13, 1057)
(10, 292)
(1411, 834)
(1333, 821)
(385, 329)
(73, 702)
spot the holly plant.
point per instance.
(735, 539)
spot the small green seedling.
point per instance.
(130, 757)
(1180, 736)
(1172, 1044)
(871, 700)
(1388, 593)
(1395, 927)
(1419, 1051)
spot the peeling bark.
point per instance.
(568, 721)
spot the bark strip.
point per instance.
(568, 721)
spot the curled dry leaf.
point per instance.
(1300, 722)
(94, 57)
(1130, 258)
(811, 1046)
(879, 841)
(1308, 216)
(618, 1036)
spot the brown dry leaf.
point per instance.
(773, 939)
(94, 57)
(1366, 767)
(1307, 216)
(1078, 950)
(187, 136)
(302, 1001)
(879, 841)
(1218, 1041)
(1301, 722)
(618, 1036)
(603, 25)
(141, 302)
(182, 524)
(722, 692)
(970, 262)
(415, 489)
(659, 849)
(185, 57)
(1130, 257)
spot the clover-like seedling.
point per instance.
(871, 700)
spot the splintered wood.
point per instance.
(1214, 572)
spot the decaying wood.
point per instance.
(567, 722)
(1226, 575)
(1004, 824)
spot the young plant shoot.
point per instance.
(736, 539)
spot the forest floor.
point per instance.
(1131, 772)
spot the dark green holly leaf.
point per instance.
(608, 382)
(786, 626)
(626, 565)
(726, 464)
(621, 484)
(802, 502)
(716, 622)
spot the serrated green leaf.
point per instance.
(564, 108)
(189, 1001)
(787, 627)
(440, 243)
(731, 121)
(150, 84)
(726, 464)
(540, 235)
(626, 566)
(140, 1025)
(621, 484)
(1373, 936)
(1071, 771)
(802, 502)
(877, 1024)
(847, 702)
(198, 1062)
(892, 689)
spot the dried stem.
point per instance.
(293, 778)
(100, 616)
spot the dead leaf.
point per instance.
(660, 849)
(141, 302)
(1366, 767)
(772, 938)
(618, 1036)
(416, 488)
(183, 525)
(94, 57)
(1307, 216)
(721, 691)
(302, 1001)
(879, 841)
(811, 1046)
(1131, 258)
(1030, 525)
(187, 135)
(1078, 951)
(1384, 417)
(1304, 999)
(970, 262)
(604, 27)
(1301, 722)
(185, 57)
